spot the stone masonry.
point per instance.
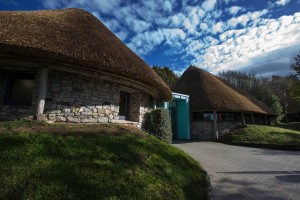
(78, 99)
(204, 130)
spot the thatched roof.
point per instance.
(75, 37)
(208, 93)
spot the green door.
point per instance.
(174, 121)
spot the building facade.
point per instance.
(216, 107)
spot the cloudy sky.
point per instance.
(216, 35)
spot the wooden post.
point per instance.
(43, 79)
(266, 122)
(252, 118)
(260, 119)
(243, 119)
(215, 124)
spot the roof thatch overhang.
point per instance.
(75, 39)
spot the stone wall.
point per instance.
(16, 112)
(146, 105)
(76, 98)
(79, 99)
(204, 130)
(141, 103)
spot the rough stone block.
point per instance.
(89, 120)
(73, 119)
(61, 119)
(102, 119)
(87, 112)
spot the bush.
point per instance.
(158, 123)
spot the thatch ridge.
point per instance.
(211, 93)
(76, 37)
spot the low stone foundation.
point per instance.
(204, 130)
(78, 99)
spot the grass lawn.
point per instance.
(265, 136)
(69, 161)
(291, 125)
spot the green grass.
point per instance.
(59, 161)
(291, 125)
(265, 136)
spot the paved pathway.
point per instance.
(248, 173)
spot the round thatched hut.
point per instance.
(66, 66)
(217, 106)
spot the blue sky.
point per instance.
(216, 35)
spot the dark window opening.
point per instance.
(19, 90)
(229, 116)
(124, 107)
(202, 116)
(221, 116)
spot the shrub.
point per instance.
(158, 123)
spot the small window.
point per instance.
(199, 116)
(19, 89)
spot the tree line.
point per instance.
(281, 93)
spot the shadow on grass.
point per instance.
(9, 142)
(78, 165)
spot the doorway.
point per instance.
(124, 106)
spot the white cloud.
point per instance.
(137, 25)
(245, 18)
(286, 20)
(145, 42)
(235, 9)
(227, 1)
(203, 26)
(256, 42)
(178, 19)
(282, 2)
(216, 14)
(209, 5)
(218, 28)
(167, 6)
(104, 6)
(231, 33)
(122, 35)
(112, 24)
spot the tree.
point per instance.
(276, 105)
(166, 74)
(257, 86)
(296, 65)
(282, 94)
(294, 86)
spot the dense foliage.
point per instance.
(296, 65)
(276, 91)
(158, 123)
(76, 161)
(166, 74)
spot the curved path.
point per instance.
(247, 173)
